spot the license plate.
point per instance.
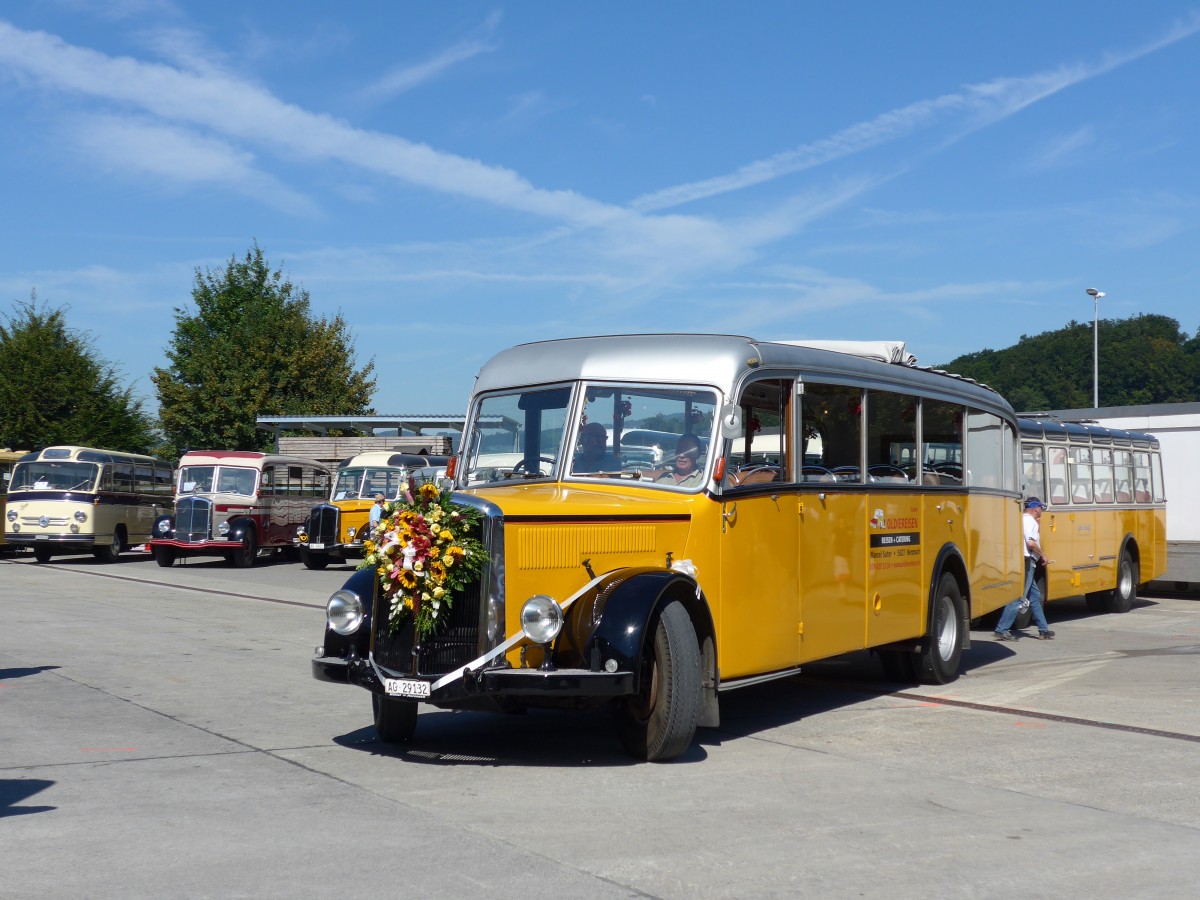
(42, 537)
(316, 546)
(405, 687)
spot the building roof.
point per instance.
(365, 424)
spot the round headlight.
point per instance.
(350, 533)
(541, 619)
(164, 526)
(344, 612)
(12, 515)
(80, 516)
(223, 528)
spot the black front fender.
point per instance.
(618, 620)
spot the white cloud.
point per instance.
(133, 147)
(972, 108)
(405, 78)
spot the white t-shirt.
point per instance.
(1032, 531)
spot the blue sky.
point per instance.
(456, 178)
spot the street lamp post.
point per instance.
(1095, 295)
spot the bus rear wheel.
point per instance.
(941, 654)
(1120, 600)
(659, 722)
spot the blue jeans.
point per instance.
(1035, 602)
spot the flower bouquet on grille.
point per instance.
(423, 550)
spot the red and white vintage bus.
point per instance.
(237, 503)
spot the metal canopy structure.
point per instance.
(414, 424)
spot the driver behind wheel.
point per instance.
(593, 454)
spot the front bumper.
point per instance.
(197, 547)
(60, 541)
(491, 681)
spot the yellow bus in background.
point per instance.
(64, 500)
(815, 502)
(335, 530)
(1104, 528)
(7, 458)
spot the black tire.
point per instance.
(1120, 599)
(312, 560)
(42, 554)
(164, 556)
(941, 654)
(899, 665)
(244, 556)
(111, 552)
(395, 720)
(659, 722)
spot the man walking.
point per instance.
(1033, 556)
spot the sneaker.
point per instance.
(1045, 635)
(1004, 636)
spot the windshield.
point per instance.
(637, 433)
(517, 436)
(660, 435)
(363, 483)
(53, 476)
(227, 480)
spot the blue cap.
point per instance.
(1034, 503)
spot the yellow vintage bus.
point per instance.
(7, 458)
(883, 511)
(1104, 530)
(335, 530)
(65, 500)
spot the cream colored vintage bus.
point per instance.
(1104, 530)
(335, 530)
(657, 585)
(237, 504)
(65, 500)
(7, 459)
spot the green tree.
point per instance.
(251, 348)
(1143, 359)
(56, 389)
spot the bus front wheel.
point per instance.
(941, 653)
(659, 722)
(312, 560)
(42, 554)
(244, 556)
(164, 556)
(109, 553)
(395, 720)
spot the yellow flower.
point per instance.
(407, 580)
(429, 491)
(438, 571)
(446, 535)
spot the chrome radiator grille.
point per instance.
(193, 519)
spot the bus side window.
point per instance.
(1058, 491)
